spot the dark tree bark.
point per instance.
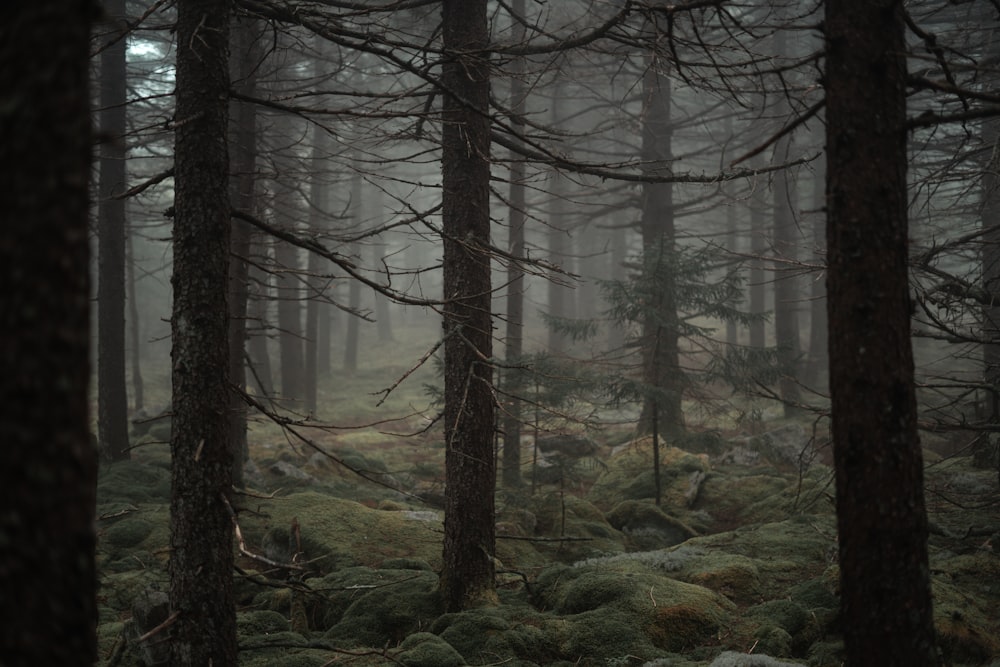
(353, 286)
(467, 577)
(201, 530)
(258, 325)
(886, 612)
(758, 248)
(135, 346)
(243, 138)
(48, 462)
(112, 397)
(290, 342)
(315, 305)
(514, 333)
(662, 374)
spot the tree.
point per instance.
(112, 399)
(470, 472)
(201, 529)
(243, 139)
(514, 333)
(885, 580)
(662, 374)
(48, 461)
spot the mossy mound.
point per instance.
(629, 475)
(564, 515)
(968, 628)
(396, 604)
(133, 482)
(647, 526)
(423, 649)
(761, 562)
(670, 615)
(335, 532)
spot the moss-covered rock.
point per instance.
(399, 603)
(629, 475)
(424, 649)
(133, 482)
(260, 622)
(647, 526)
(127, 533)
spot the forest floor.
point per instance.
(735, 567)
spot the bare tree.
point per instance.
(201, 528)
(885, 577)
(467, 577)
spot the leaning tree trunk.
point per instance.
(201, 528)
(48, 464)
(886, 613)
(470, 467)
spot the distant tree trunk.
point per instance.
(112, 397)
(662, 374)
(317, 286)
(243, 139)
(514, 333)
(886, 614)
(786, 296)
(558, 241)
(758, 248)
(619, 255)
(138, 394)
(353, 286)
(48, 463)
(289, 294)
(201, 529)
(467, 576)
(816, 369)
(324, 331)
(258, 325)
(733, 248)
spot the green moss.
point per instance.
(133, 482)
(401, 603)
(423, 649)
(127, 533)
(260, 622)
(647, 526)
(606, 634)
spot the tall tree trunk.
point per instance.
(353, 286)
(758, 248)
(662, 374)
(201, 528)
(467, 576)
(558, 240)
(514, 332)
(316, 285)
(112, 397)
(48, 462)
(135, 330)
(243, 139)
(786, 296)
(383, 318)
(289, 293)
(886, 612)
(816, 369)
(258, 324)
